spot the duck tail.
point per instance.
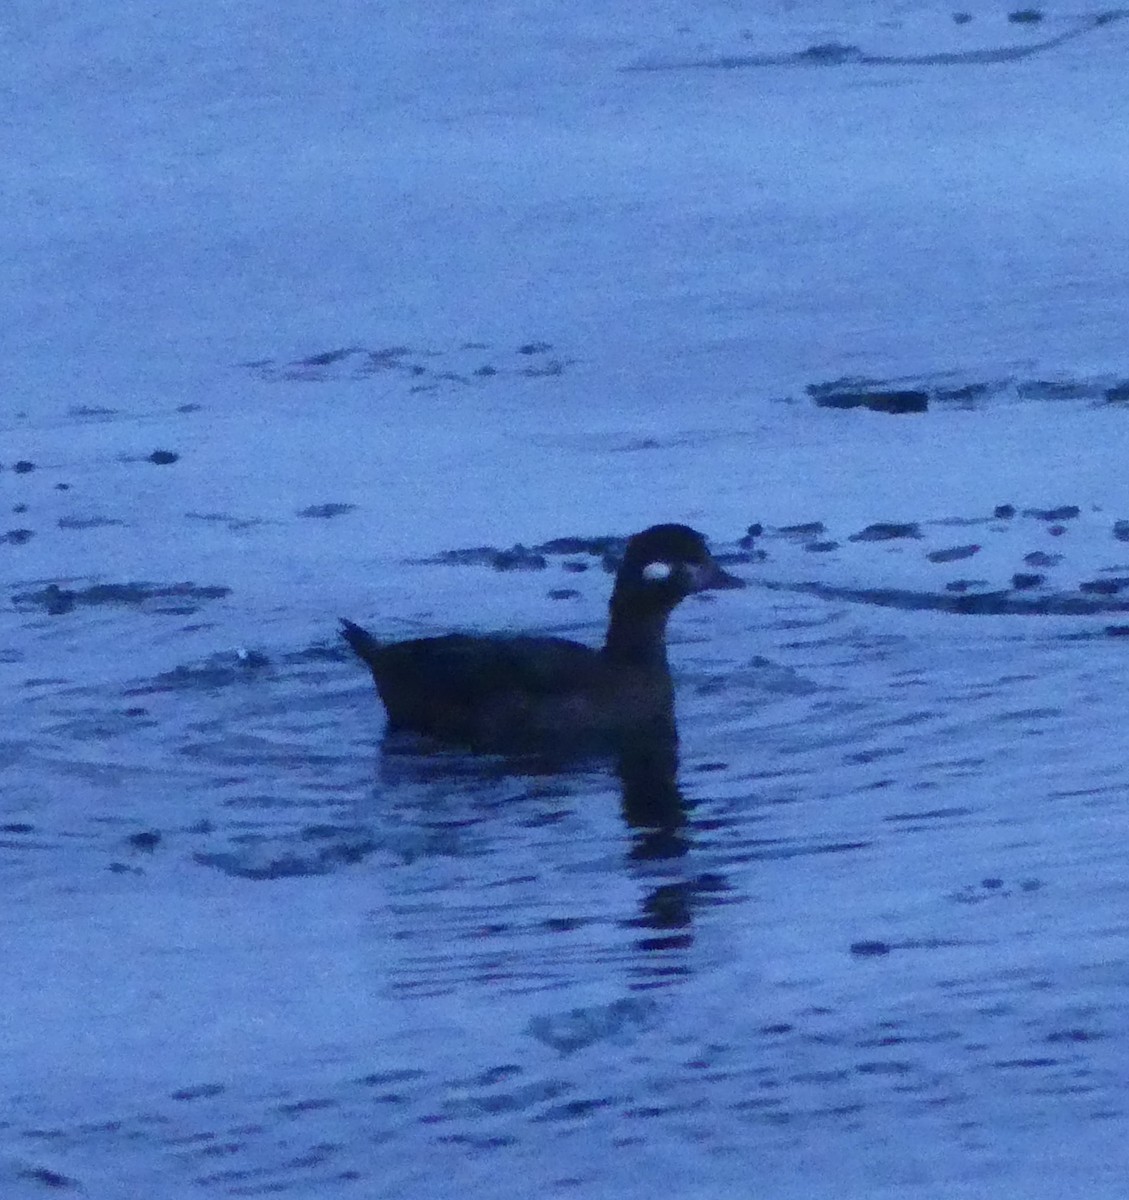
(363, 644)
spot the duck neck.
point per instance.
(636, 633)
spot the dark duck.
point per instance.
(502, 693)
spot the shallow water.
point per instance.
(294, 310)
(870, 946)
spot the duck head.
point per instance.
(661, 567)
(666, 563)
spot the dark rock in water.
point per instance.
(326, 358)
(884, 531)
(563, 594)
(1104, 587)
(199, 1091)
(870, 949)
(596, 546)
(518, 559)
(832, 53)
(1023, 581)
(23, 466)
(56, 600)
(963, 585)
(962, 18)
(1055, 389)
(1118, 394)
(147, 840)
(1121, 530)
(898, 402)
(953, 554)
(965, 394)
(839, 399)
(86, 522)
(576, 566)
(19, 509)
(1065, 512)
(810, 529)
(1038, 559)
(54, 1180)
(751, 534)
(388, 358)
(1025, 16)
(821, 547)
(163, 457)
(535, 348)
(1004, 512)
(486, 371)
(62, 487)
(1056, 530)
(553, 366)
(884, 402)
(17, 537)
(472, 556)
(325, 511)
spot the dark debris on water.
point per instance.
(56, 600)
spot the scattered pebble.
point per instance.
(23, 466)
(163, 457)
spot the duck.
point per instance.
(503, 693)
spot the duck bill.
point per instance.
(709, 577)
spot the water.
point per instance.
(296, 306)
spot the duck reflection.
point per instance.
(653, 808)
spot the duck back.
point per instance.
(503, 692)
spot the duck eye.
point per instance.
(656, 572)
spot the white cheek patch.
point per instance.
(656, 572)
